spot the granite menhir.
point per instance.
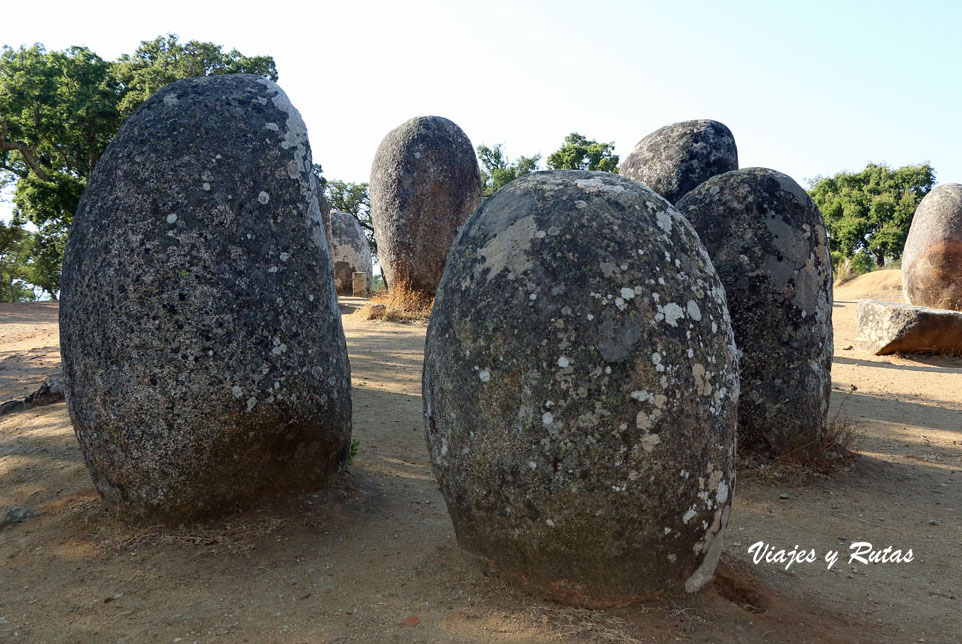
(767, 240)
(932, 259)
(425, 184)
(580, 390)
(352, 252)
(674, 159)
(203, 352)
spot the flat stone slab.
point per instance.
(887, 327)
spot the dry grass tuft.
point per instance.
(399, 304)
(844, 271)
(836, 449)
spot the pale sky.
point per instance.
(808, 89)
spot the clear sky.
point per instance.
(808, 88)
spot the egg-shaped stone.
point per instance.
(932, 259)
(580, 388)
(674, 159)
(352, 252)
(203, 352)
(425, 183)
(767, 239)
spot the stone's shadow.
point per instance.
(27, 312)
(934, 364)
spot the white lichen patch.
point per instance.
(272, 127)
(236, 391)
(672, 313)
(596, 184)
(170, 99)
(547, 418)
(263, 197)
(627, 293)
(563, 362)
(690, 514)
(649, 441)
(484, 375)
(509, 249)
(693, 311)
(172, 218)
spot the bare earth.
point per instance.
(375, 560)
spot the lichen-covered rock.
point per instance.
(425, 184)
(886, 327)
(580, 386)
(325, 209)
(674, 159)
(204, 358)
(767, 240)
(352, 252)
(932, 259)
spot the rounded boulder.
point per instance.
(204, 358)
(580, 386)
(425, 183)
(932, 259)
(352, 252)
(674, 159)
(766, 238)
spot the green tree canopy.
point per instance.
(14, 252)
(163, 60)
(59, 110)
(580, 153)
(871, 211)
(497, 171)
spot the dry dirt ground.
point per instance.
(375, 560)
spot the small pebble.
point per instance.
(933, 522)
(783, 496)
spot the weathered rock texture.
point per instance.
(674, 159)
(886, 327)
(425, 184)
(325, 209)
(767, 240)
(352, 252)
(932, 259)
(361, 284)
(203, 353)
(580, 386)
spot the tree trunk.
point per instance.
(879, 259)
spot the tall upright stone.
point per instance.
(204, 357)
(425, 183)
(674, 159)
(932, 259)
(580, 387)
(767, 240)
(352, 252)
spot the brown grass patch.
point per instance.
(836, 449)
(399, 304)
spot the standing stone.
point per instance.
(203, 353)
(767, 240)
(674, 159)
(580, 387)
(361, 285)
(352, 252)
(932, 259)
(425, 184)
(325, 209)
